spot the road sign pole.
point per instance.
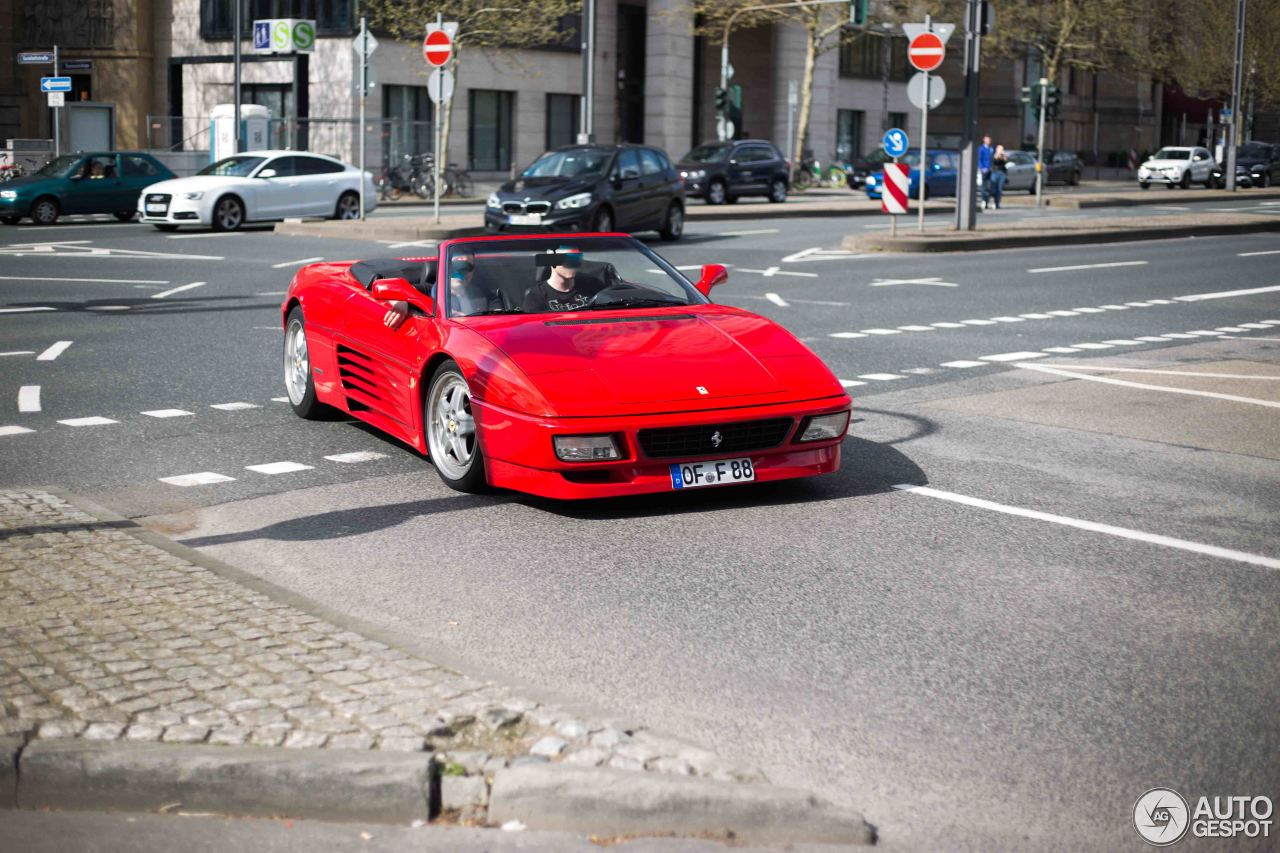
(439, 107)
(893, 220)
(364, 92)
(235, 50)
(967, 188)
(57, 115)
(1044, 89)
(1237, 80)
(924, 149)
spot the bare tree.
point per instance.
(1199, 51)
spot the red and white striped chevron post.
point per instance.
(893, 191)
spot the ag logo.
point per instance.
(1161, 817)
(717, 439)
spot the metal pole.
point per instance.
(722, 128)
(57, 114)
(1233, 135)
(436, 135)
(893, 217)
(235, 50)
(1044, 94)
(364, 91)
(967, 195)
(792, 97)
(587, 133)
(924, 136)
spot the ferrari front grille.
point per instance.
(707, 439)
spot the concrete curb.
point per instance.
(574, 799)
(951, 242)
(351, 785)
(10, 749)
(1139, 199)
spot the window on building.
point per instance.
(409, 113)
(562, 120)
(898, 120)
(848, 135)
(489, 134)
(332, 17)
(864, 57)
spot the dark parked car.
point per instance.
(725, 171)
(857, 171)
(597, 188)
(1257, 165)
(1064, 167)
(102, 182)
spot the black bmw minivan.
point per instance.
(592, 188)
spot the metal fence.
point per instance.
(386, 140)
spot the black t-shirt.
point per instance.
(542, 297)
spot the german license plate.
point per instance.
(156, 208)
(526, 219)
(691, 475)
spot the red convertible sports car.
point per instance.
(567, 366)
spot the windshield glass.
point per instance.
(61, 167)
(1172, 154)
(707, 154)
(232, 167)
(1254, 150)
(540, 275)
(575, 163)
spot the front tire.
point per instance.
(298, 380)
(716, 192)
(160, 227)
(778, 191)
(1266, 180)
(453, 444)
(673, 225)
(125, 215)
(228, 214)
(1185, 183)
(602, 222)
(45, 211)
(348, 206)
(1144, 185)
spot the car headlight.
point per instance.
(586, 448)
(193, 196)
(819, 427)
(494, 202)
(695, 175)
(8, 194)
(871, 179)
(574, 201)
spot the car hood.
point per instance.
(548, 188)
(30, 183)
(1162, 164)
(639, 361)
(1250, 162)
(197, 183)
(694, 165)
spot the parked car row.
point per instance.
(944, 168)
(257, 186)
(1257, 165)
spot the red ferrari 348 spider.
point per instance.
(567, 366)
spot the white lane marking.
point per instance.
(963, 363)
(1270, 322)
(846, 335)
(748, 233)
(1095, 527)
(1229, 338)
(1138, 304)
(94, 420)
(917, 328)
(1088, 310)
(1178, 335)
(106, 308)
(881, 332)
(297, 263)
(1012, 356)
(54, 351)
(162, 294)
(358, 456)
(1063, 313)
(1231, 329)
(18, 352)
(820, 302)
(1213, 394)
(1170, 207)
(203, 478)
(879, 377)
(272, 293)
(1167, 372)
(1093, 346)
(14, 430)
(1201, 333)
(1114, 307)
(1254, 326)
(53, 250)
(88, 280)
(1009, 319)
(772, 271)
(234, 407)
(1159, 302)
(29, 398)
(278, 468)
(1089, 266)
(817, 253)
(1155, 339)
(851, 383)
(204, 234)
(279, 399)
(1255, 254)
(24, 310)
(1123, 342)
(168, 413)
(1061, 349)
(948, 325)
(1226, 294)
(776, 300)
(933, 281)
(978, 322)
(1037, 316)
(919, 371)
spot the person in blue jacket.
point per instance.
(984, 169)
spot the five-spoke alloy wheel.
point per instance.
(452, 441)
(297, 367)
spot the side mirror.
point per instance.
(267, 173)
(712, 275)
(400, 290)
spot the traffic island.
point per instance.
(1025, 233)
(139, 675)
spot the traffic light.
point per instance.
(1028, 93)
(734, 109)
(722, 100)
(858, 13)
(1053, 102)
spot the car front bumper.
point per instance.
(179, 211)
(519, 452)
(555, 220)
(15, 206)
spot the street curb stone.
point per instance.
(622, 802)
(10, 749)
(330, 784)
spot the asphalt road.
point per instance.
(977, 665)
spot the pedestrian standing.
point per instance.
(999, 174)
(984, 169)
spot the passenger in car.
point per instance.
(564, 288)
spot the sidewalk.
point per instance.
(136, 674)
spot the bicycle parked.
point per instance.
(9, 171)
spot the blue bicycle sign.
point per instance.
(895, 142)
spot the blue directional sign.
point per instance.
(55, 84)
(895, 142)
(262, 35)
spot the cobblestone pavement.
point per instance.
(105, 636)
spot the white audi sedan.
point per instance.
(258, 186)
(1177, 166)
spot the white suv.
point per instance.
(1177, 166)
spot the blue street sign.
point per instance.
(895, 142)
(36, 57)
(262, 35)
(55, 84)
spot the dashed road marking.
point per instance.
(948, 325)
(358, 456)
(1254, 326)
(776, 300)
(1123, 342)
(1093, 346)
(851, 383)
(1231, 329)
(932, 281)
(1229, 397)
(1255, 254)
(1009, 319)
(168, 413)
(14, 430)
(29, 398)
(54, 351)
(25, 310)
(86, 280)
(1115, 307)
(1088, 266)
(1226, 294)
(203, 478)
(18, 352)
(1063, 313)
(1161, 301)
(748, 233)
(279, 399)
(1155, 339)
(1163, 372)
(171, 291)
(297, 263)
(978, 322)
(1182, 336)
(234, 407)
(1138, 304)
(919, 371)
(1201, 333)
(917, 328)
(846, 335)
(963, 364)
(772, 271)
(94, 420)
(879, 377)
(272, 468)
(1012, 356)
(1061, 349)
(881, 331)
(1088, 310)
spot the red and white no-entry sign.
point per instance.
(893, 192)
(437, 47)
(926, 51)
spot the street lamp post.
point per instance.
(1233, 133)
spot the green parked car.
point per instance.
(107, 182)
